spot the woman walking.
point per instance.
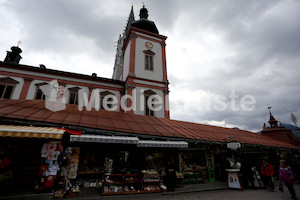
(286, 175)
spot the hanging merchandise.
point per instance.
(73, 155)
(50, 181)
(69, 171)
(49, 166)
(108, 165)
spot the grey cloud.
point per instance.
(48, 25)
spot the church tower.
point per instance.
(141, 64)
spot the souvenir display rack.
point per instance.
(195, 176)
(151, 182)
(132, 184)
(179, 179)
(115, 184)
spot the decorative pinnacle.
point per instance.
(19, 42)
(143, 5)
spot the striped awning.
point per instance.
(30, 132)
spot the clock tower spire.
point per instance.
(144, 68)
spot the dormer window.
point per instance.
(7, 86)
(149, 56)
(39, 95)
(102, 96)
(73, 95)
(73, 98)
(6, 91)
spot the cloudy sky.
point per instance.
(226, 59)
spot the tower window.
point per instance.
(149, 103)
(149, 56)
(148, 110)
(148, 62)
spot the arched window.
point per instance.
(149, 103)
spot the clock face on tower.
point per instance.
(148, 45)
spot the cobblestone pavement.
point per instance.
(216, 193)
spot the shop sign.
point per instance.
(233, 145)
(233, 180)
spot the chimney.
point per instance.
(13, 56)
(42, 66)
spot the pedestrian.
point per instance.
(267, 175)
(170, 177)
(286, 175)
(247, 175)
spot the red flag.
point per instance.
(73, 132)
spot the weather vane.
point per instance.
(269, 108)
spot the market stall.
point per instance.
(193, 165)
(123, 165)
(25, 169)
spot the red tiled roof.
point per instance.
(34, 110)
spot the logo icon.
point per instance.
(54, 96)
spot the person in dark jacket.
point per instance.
(267, 175)
(247, 175)
(170, 176)
(286, 175)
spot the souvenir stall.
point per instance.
(193, 165)
(123, 165)
(24, 162)
(18, 164)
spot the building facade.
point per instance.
(124, 120)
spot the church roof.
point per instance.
(144, 23)
(34, 111)
(55, 72)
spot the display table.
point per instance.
(234, 179)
